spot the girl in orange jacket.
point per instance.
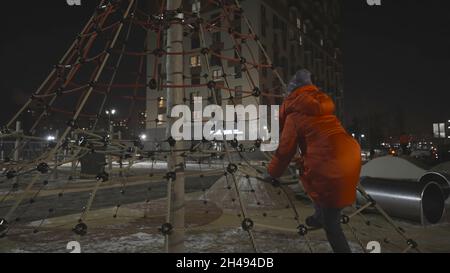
(331, 157)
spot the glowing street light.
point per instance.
(111, 112)
(51, 138)
(143, 137)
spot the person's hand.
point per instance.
(269, 179)
(266, 176)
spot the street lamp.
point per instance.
(111, 112)
(143, 137)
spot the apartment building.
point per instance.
(295, 34)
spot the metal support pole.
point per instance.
(16, 155)
(55, 172)
(119, 137)
(111, 137)
(174, 67)
(72, 153)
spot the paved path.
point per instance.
(71, 203)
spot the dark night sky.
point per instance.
(397, 59)
(397, 56)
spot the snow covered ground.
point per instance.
(212, 228)
(390, 167)
(218, 241)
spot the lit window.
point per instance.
(195, 61)
(196, 6)
(442, 130)
(217, 74)
(160, 119)
(161, 102)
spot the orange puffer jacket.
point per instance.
(332, 158)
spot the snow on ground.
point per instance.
(390, 167)
(443, 167)
(253, 193)
(160, 165)
(217, 236)
(218, 241)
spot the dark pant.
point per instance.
(330, 218)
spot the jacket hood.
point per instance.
(309, 100)
(301, 78)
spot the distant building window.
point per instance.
(439, 130)
(161, 106)
(284, 36)
(292, 35)
(195, 40)
(217, 74)
(160, 119)
(237, 67)
(219, 95)
(238, 95)
(216, 20)
(237, 22)
(215, 59)
(161, 102)
(276, 24)
(276, 57)
(216, 37)
(216, 97)
(293, 70)
(299, 23)
(196, 6)
(237, 71)
(196, 115)
(195, 79)
(195, 61)
(284, 65)
(160, 77)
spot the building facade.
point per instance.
(295, 34)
